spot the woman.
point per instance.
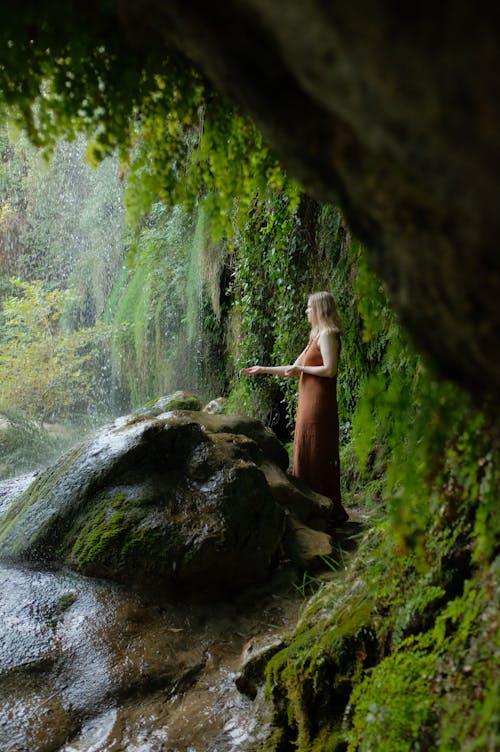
(316, 440)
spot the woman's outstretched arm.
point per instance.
(274, 370)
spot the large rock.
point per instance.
(72, 648)
(177, 504)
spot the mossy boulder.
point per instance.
(179, 400)
(176, 504)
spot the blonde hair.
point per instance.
(325, 316)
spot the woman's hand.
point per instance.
(252, 370)
(271, 370)
(294, 370)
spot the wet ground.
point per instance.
(86, 667)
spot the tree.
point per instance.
(45, 370)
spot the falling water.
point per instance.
(62, 223)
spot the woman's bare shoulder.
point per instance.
(329, 336)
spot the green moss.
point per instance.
(98, 539)
(97, 535)
(66, 601)
(411, 700)
(112, 539)
(394, 705)
(398, 704)
(309, 682)
(186, 403)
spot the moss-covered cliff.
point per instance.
(401, 650)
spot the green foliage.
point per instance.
(24, 445)
(45, 370)
(395, 706)
(404, 414)
(146, 308)
(166, 335)
(423, 581)
(285, 252)
(183, 145)
(273, 273)
(191, 147)
(178, 140)
(62, 222)
(64, 79)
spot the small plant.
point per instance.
(66, 601)
(332, 563)
(308, 585)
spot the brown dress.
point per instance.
(316, 442)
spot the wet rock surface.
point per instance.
(185, 504)
(11, 488)
(256, 654)
(121, 662)
(85, 666)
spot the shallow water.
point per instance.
(87, 667)
(12, 487)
